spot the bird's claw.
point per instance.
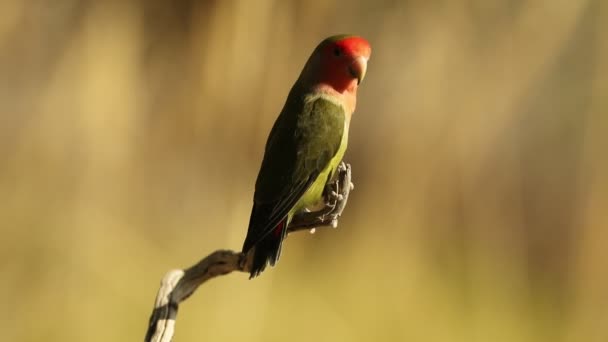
(335, 197)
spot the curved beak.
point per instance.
(357, 68)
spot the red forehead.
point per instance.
(355, 45)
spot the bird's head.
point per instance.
(339, 62)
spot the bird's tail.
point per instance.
(268, 250)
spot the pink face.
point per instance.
(344, 62)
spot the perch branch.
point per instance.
(177, 285)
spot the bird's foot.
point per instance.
(335, 198)
(337, 195)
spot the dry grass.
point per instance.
(129, 129)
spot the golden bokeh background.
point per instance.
(131, 133)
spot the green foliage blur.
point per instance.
(131, 133)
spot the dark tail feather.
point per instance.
(268, 250)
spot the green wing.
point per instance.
(301, 144)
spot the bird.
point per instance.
(306, 144)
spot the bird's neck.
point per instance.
(347, 97)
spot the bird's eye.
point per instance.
(337, 52)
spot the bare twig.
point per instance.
(177, 285)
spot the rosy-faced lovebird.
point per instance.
(306, 144)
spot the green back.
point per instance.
(303, 141)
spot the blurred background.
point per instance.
(131, 133)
